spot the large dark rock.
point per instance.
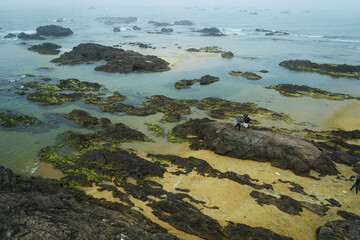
(54, 30)
(160, 24)
(339, 230)
(10, 35)
(282, 150)
(24, 36)
(84, 119)
(46, 48)
(335, 70)
(167, 30)
(118, 60)
(184, 22)
(210, 32)
(41, 209)
(208, 79)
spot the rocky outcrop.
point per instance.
(46, 48)
(291, 90)
(341, 229)
(184, 22)
(114, 20)
(247, 75)
(210, 32)
(282, 150)
(84, 119)
(118, 60)
(10, 35)
(167, 30)
(36, 208)
(135, 28)
(204, 80)
(10, 119)
(227, 54)
(24, 36)
(335, 70)
(116, 29)
(208, 79)
(160, 24)
(54, 30)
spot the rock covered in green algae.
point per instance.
(71, 84)
(223, 109)
(335, 70)
(46, 48)
(181, 84)
(208, 49)
(84, 119)
(105, 100)
(156, 129)
(291, 90)
(10, 119)
(204, 80)
(118, 60)
(50, 98)
(227, 54)
(247, 75)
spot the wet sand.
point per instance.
(47, 170)
(346, 117)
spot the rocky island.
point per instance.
(335, 70)
(118, 60)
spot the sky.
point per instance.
(347, 5)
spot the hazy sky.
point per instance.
(271, 4)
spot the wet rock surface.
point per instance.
(35, 36)
(204, 80)
(36, 208)
(46, 48)
(10, 119)
(335, 70)
(54, 30)
(282, 150)
(227, 54)
(291, 90)
(118, 60)
(247, 75)
(213, 31)
(84, 119)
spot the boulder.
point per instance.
(210, 32)
(208, 79)
(54, 30)
(136, 28)
(227, 54)
(116, 29)
(46, 48)
(167, 30)
(160, 24)
(34, 36)
(282, 150)
(10, 35)
(184, 22)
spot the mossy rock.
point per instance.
(49, 98)
(247, 75)
(156, 129)
(84, 119)
(181, 84)
(291, 90)
(10, 119)
(335, 70)
(264, 71)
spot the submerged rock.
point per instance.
(204, 80)
(282, 150)
(118, 60)
(276, 33)
(291, 90)
(167, 30)
(10, 119)
(10, 35)
(335, 70)
(247, 75)
(46, 48)
(54, 30)
(135, 28)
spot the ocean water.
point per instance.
(323, 37)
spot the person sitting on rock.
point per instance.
(356, 185)
(238, 122)
(246, 121)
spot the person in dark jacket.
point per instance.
(246, 121)
(238, 123)
(356, 185)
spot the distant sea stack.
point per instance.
(54, 30)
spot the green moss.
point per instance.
(156, 129)
(181, 84)
(247, 75)
(10, 119)
(212, 49)
(174, 139)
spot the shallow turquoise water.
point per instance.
(332, 37)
